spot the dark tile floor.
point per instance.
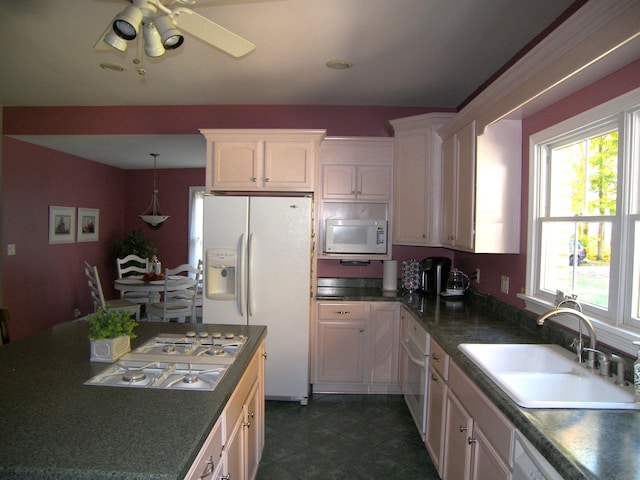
(353, 437)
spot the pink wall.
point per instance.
(492, 267)
(34, 178)
(43, 283)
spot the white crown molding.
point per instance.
(578, 46)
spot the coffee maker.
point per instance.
(434, 272)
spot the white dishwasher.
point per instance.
(528, 463)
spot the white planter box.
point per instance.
(109, 350)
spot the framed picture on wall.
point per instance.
(88, 224)
(62, 224)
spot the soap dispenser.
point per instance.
(636, 372)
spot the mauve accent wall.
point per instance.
(44, 284)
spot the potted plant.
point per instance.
(133, 243)
(110, 334)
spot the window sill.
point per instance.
(614, 337)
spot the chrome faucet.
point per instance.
(591, 360)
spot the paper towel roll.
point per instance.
(390, 275)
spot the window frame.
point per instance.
(617, 328)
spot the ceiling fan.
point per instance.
(162, 29)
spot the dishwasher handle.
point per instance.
(421, 362)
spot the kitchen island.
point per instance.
(578, 443)
(55, 427)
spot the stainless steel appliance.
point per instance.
(414, 369)
(434, 272)
(175, 362)
(257, 254)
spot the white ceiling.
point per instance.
(430, 53)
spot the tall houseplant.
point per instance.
(110, 334)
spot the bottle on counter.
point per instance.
(636, 372)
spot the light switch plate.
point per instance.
(504, 284)
(11, 249)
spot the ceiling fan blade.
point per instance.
(211, 33)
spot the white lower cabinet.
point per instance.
(234, 446)
(356, 347)
(468, 438)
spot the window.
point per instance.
(196, 203)
(584, 227)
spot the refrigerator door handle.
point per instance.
(242, 298)
(250, 275)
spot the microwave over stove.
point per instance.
(356, 236)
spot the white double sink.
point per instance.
(547, 376)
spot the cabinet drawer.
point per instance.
(342, 311)
(210, 456)
(439, 359)
(495, 426)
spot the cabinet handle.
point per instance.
(226, 477)
(471, 441)
(361, 330)
(435, 357)
(210, 467)
(342, 312)
(463, 428)
(434, 378)
(247, 424)
(267, 179)
(424, 235)
(254, 179)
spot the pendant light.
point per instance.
(152, 215)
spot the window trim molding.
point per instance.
(618, 336)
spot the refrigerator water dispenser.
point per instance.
(221, 273)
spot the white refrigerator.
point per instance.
(257, 271)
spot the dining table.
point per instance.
(152, 288)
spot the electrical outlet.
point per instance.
(11, 249)
(477, 275)
(504, 284)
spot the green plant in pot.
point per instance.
(133, 243)
(110, 334)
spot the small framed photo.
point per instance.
(62, 224)
(88, 224)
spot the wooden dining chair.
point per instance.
(133, 266)
(95, 288)
(179, 296)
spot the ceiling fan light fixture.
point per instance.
(127, 23)
(114, 40)
(152, 43)
(169, 34)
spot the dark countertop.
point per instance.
(55, 427)
(579, 443)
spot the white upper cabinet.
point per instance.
(262, 160)
(356, 182)
(417, 183)
(481, 182)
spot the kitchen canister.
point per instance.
(390, 275)
(410, 275)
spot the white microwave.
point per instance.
(356, 236)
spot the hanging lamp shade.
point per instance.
(152, 215)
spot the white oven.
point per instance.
(414, 352)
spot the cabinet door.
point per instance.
(457, 448)
(486, 462)
(410, 195)
(385, 342)
(436, 418)
(235, 449)
(373, 182)
(237, 165)
(289, 166)
(448, 209)
(339, 182)
(341, 351)
(465, 190)
(252, 431)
